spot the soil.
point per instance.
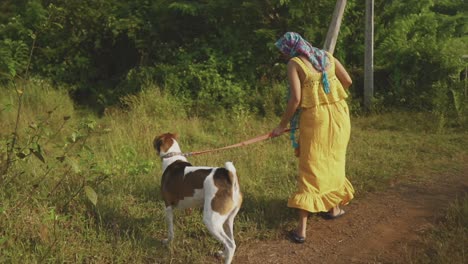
(377, 228)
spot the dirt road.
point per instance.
(377, 228)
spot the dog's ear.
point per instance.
(157, 142)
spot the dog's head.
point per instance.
(164, 142)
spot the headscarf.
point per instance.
(292, 44)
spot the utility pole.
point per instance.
(369, 55)
(334, 28)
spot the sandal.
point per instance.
(296, 238)
(330, 216)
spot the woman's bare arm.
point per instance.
(294, 99)
(342, 74)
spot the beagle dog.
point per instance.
(216, 189)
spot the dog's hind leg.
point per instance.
(229, 224)
(170, 225)
(229, 229)
(214, 222)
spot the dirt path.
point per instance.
(379, 228)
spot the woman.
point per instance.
(317, 83)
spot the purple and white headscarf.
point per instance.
(292, 44)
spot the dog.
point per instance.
(184, 186)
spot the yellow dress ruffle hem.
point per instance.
(323, 202)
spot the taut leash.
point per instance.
(241, 144)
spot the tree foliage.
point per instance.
(425, 47)
(218, 52)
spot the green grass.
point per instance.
(45, 216)
(446, 241)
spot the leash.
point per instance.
(241, 144)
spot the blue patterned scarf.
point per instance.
(292, 44)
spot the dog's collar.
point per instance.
(171, 154)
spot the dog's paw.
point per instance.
(220, 254)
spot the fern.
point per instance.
(13, 58)
(266, 33)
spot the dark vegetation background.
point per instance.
(219, 54)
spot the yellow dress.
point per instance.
(324, 130)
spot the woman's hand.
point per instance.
(279, 130)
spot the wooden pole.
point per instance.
(334, 28)
(369, 55)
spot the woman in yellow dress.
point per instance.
(317, 83)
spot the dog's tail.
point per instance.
(232, 175)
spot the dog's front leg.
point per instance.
(170, 225)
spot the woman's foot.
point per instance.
(334, 213)
(295, 237)
(298, 235)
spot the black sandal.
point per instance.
(296, 238)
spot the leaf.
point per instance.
(74, 165)
(91, 124)
(7, 108)
(91, 194)
(52, 215)
(33, 125)
(60, 26)
(38, 154)
(185, 8)
(73, 137)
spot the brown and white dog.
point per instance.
(186, 186)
